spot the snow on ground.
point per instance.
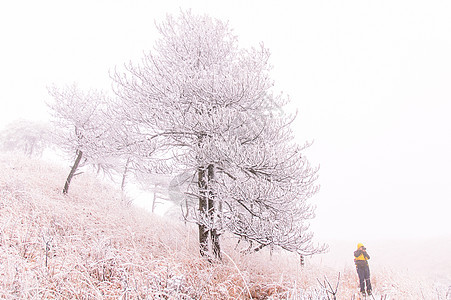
(88, 244)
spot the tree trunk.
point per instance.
(208, 235)
(203, 209)
(124, 175)
(154, 201)
(216, 244)
(216, 247)
(79, 154)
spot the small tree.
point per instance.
(28, 137)
(81, 127)
(157, 184)
(207, 107)
(131, 152)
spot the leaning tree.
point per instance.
(208, 108)
(81, 127)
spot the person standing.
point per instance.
(363, 270)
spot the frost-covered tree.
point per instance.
(131, 151)
(28, 137)
(81, 127)
(208, 109)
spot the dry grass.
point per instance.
(87, 245)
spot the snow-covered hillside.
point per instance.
(87, 245)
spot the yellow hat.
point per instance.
(359, 245)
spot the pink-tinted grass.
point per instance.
(89, 245)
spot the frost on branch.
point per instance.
(81, 127)
(209, 109)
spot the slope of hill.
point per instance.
(87, 245)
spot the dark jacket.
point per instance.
(361, 258)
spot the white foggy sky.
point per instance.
(370, 79)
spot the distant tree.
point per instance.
(81, 127)
(207, 108)
(157, 184)
(28, 137)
